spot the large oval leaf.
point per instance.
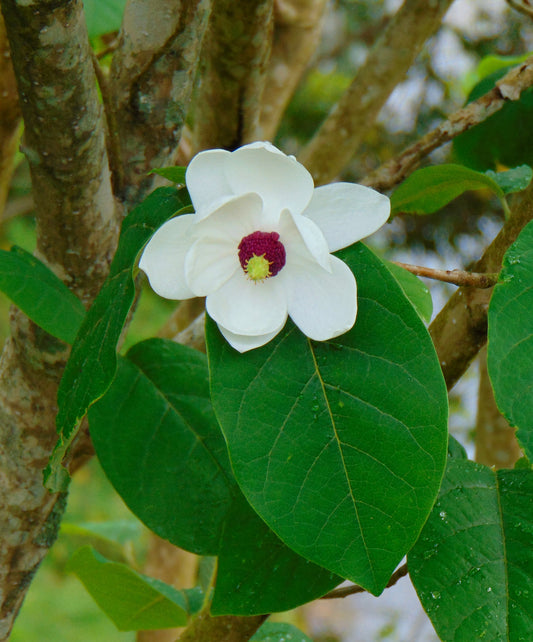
(510, 338)
(257, 573)
(159, 443)
(473, 564)
(93, 359)
(339, 446)
(414, 289)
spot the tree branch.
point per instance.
(152, 75)
(508, 88)
(496, 443)
(457, 277)
(388, 61)
(460, 329)
(224, 628)
(9, 117)
(234, 59)
(297, 27)
(77, 230)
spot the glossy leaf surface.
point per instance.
(431, 188)
(473, 564)
(93, 360)
(414, 289)
(159, 443)
(510, 338)
(339, 446)
(40, 294)
(132, 601)
(258, 574)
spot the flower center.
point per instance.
(261, 255)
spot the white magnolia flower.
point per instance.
(259, 245)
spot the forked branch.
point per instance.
(509, 88)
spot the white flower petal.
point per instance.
(322, 304)
(163, 259)
(234, 218)
(206, 180)
(347, 213)
(281, 181)
(303, 240)
(209, 264)
(244, 307)
(243, 343)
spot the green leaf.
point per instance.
(39, 293)
(258, 574)
(456, 450)
(279, 632)
(340, 445)
(132, 601)
(473, 564)
(431, 188)
(112, 539)
(414, 289)
(513, 180)
(510, 338)
(159, 443)
(505, 138)
(93, 360)
(103, 16)
(492, 63)
(173, 174)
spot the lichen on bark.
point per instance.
(233, 71)
(77, 227)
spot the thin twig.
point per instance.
(457, 277)
(344, 591)
(508, 88)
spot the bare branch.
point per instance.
(152, 77)
(457, 277)
(496, 443)
(234, 59)
(460, 329)
(343, 131)
(297, 28)
(508, 88)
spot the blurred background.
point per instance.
(58, 608)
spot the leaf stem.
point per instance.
(457, 277)
(344, 591)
